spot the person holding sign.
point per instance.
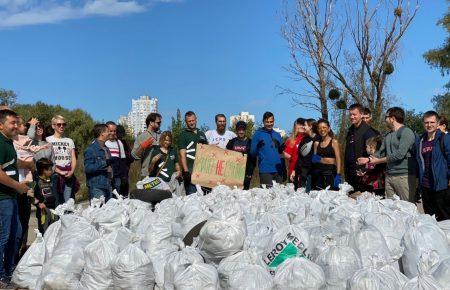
(267, 146)
(220, 136)
(187, 143)
(164, 159)
(242, 144)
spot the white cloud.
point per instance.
(14, 13)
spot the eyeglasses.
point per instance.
(159, 123)
(60, 124)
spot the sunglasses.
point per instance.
(60, 124)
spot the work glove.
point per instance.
(316, 158)
(147, 143)
(337, 181)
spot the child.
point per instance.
(44, 197)
(374, 175)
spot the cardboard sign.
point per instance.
(214, 165)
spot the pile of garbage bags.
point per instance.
(264, 238)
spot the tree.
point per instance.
(79, 123)
(440, 57)
(371, 32)
(414, 121)
(442, 102)
(308, 31)
(8, 97)
(176, 128)
(375, 32)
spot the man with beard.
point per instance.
(142, 148)
(397, 150)
(220, 136)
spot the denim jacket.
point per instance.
(95, 166)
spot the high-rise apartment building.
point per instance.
(243, 116)
(140, 108)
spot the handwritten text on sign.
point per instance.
(214, 165)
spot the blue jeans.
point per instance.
(117, 183)
(10, 234)
(95, 192)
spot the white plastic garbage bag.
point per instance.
(299, 274)
(121, 237)
(178, 262)
(421, 237)
(445, 226)
(132, 269)
(424, 280)
(395, 273)
(110, 218)
(288, 242)
(339, 263)
(197, 276)
(159, 258)
(251, 277)
(29, 268)
(152, 183)
(373, 279)
(221, 238)
(369, 242)
(442, 273)
(235, 263)
(99, 256)
(63, 270)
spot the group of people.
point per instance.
(38, 162)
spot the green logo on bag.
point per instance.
(152, 184)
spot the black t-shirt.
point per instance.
(243, 146)
(165, 165)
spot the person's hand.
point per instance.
(147, 143)
(337, 181)
(22, 187)
(362, 161)
(374, 159)
(69, 174)
(33, 121)
(30, 192)
(42, 205)
(156, 158)
(316, 158)
(291, 178)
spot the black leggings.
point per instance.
(436, 203)
(267, 178)
(321, 180)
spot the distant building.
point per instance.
(140, 108)
(243, 116)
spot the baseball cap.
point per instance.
(241, 124)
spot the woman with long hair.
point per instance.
(326, 158)
(301, 175)
(291, 144)
(164, 159)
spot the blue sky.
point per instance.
(210, 56)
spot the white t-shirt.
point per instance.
(62, 150)
(215, 138)
(116, 148)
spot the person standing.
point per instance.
(164, 159)
(125, 184)
(142, 148)
(220, 136)
(266, 146)
(355, 146)
(326, 159)
(37, 133)
(187, 143)
(443, 124)
(291, 144)
(433, 157)
(10, 229)
(397, 151)
(97, 164)
(63, 180)
(301, 175)
(242, 144)
(367, 116)
(119, 159)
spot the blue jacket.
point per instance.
(95, 166)
(265, 145)
(440, 164)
